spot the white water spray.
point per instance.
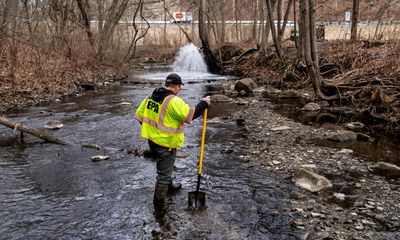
(189, 59)
(189, 64)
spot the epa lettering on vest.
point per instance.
(152, 106)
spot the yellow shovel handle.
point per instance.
(203, 137)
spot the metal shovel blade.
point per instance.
(197, 199)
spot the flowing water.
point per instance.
(48, 191)
(189, 59)
(190, 65)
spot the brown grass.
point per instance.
(35, 79)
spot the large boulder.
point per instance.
(342, 136)
(221, 98)
(215, 88)
(309, 180)
(312, 106)
(386, 169)
(289, 94)
(245, 84)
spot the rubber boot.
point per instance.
(160, 193)
(174, 187)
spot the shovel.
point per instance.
(197, 199)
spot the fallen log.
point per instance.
(52, 139)
(37, 133)
(238, 58)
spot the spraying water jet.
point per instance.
(189, 59)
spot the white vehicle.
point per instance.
(182, 17)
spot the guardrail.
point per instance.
(246, 22)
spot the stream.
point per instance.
(57, 192)
(50, 191)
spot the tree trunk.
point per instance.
(165, 28)
(84, 9)
(281, 31)
(210, 59)
(278, 15)
(307, 8)
(277, 44)
(301, 30)
(236, 14)
(354, 20)
(100, 15)
(254, 28)
(222, 28)
(381, 13)
(313, 35)
(28, 21)
(13, 50)
(115, 12)
(5, 23)
(263, 40)
(315, 77)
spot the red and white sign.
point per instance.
(182, 17)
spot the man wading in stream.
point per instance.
(162, 116)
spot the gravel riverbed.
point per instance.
(359, 205)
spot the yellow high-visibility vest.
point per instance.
(163, 122)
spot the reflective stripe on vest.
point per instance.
(161, 127)
(160, 124)
(189, 118)
(164, 109)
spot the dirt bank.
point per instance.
(365, 73)
(360, 205)
(30, 85)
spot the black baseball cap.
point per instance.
(173, 79)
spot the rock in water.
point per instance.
(355, 125)
(99, 158)
(54, 124)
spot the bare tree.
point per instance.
(281, 30)
(13, 34)
(262, 36)
(255, 20)
(211, 60)
(84, 9)
(354, 19)
(277, 43)
(278, 15)
(236, 10)
(115, 12)
(386, 5)
(100, 14)
(7, 22)
(137, 34)
(222, 24)
(62, 16)
(308, 35)
(297, 31)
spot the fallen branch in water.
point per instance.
(52, 139)
(37, 133)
